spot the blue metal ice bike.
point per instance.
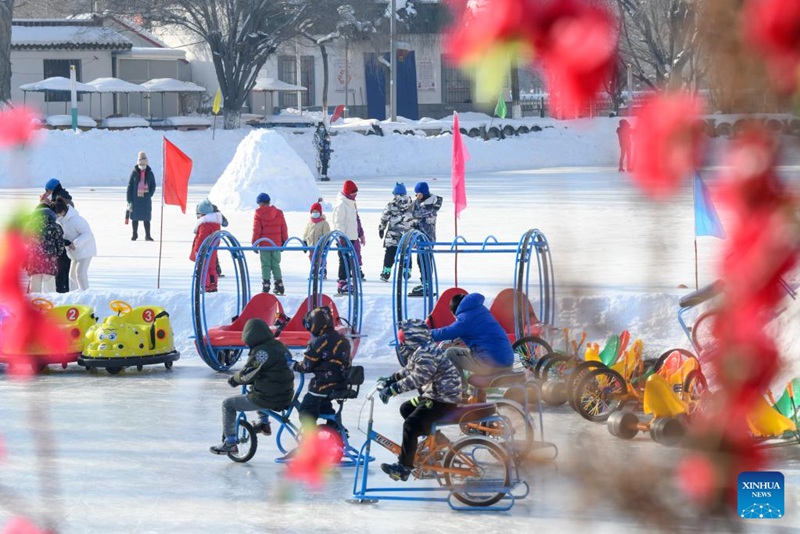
(247, 437)
(471, 473)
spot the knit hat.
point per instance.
(422, 187)
(141, 157)
(205, 207)
(263, 198)
(349, 187)
(316, 206)
(51, 184)
(399, 189)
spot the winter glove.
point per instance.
(232, 382)
(296, 366)
(363, 239)
(386, 381)
(387, 393)
(380, 233)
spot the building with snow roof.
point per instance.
(99, 47)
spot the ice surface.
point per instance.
(90, 452)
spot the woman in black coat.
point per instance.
(141, 187)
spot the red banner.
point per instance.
(177, 168)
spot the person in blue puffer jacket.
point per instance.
(488, 349)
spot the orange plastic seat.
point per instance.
(441, 315)
(502, 310)
(262, 306)
(294, 333)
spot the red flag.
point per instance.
(337, 113)
(177, 168)
(458, 176)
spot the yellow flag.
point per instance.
(217, 102)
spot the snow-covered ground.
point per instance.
(129, 452)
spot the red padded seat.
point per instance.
(502, 310)
(441, 315)
(262, 306)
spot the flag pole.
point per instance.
(455, 218)
(214, 129)
(161, 229)
(694, 210)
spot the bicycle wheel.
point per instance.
(600, 394)
(557, 367)
(529, 349)
(579, 373)
(248, 442)
(476, 468)
(702, 331)
(695, 388)
(519, 427)
(682, 355)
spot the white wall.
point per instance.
(28, 67)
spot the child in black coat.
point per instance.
(328, 357)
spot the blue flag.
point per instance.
(706, 220)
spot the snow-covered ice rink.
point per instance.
(90, 452)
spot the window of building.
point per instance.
(287, 72)
(456, 85)
(60, 67)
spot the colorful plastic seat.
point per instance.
(263, 306)
(441, 315)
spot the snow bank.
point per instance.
(264, 162)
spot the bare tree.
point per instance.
(241, 35)
(659, 38)
(6, 11)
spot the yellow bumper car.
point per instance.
(134, 337)
(74, 319)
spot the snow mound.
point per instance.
(265, 163)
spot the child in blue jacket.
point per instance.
(488, 349)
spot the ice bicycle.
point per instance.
(332, 430)
(221, 346)
(476, 471)
(524, 323)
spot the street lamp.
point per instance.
(393, 58)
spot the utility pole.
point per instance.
(630, 91)
(393, 54)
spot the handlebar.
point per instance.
(373, 391)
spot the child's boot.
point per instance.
(343, 288)
(265, 286)
(263, 427)
(228, 446)
(385, 274)
(396, 471)
(278, 287)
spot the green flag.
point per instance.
(500, 109)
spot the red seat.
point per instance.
(263, 306)
(502, 310)
(294, 333)
(441, 315)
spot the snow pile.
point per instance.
(265, 163)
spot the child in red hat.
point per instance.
(347, 221)
(316, 228)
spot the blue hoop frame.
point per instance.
(225, 241)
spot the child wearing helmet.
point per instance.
(327, 356)
(428, 370)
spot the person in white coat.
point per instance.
(79, 239)
(345, 220)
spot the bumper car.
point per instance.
(134, 337)
(74, 319)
